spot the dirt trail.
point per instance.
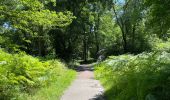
(85, 87)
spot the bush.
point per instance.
(158, 44)
(21, 73)
(142, 77)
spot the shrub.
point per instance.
(21, 73)
(142, 77)
(159, 44)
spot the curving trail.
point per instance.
(85, 87)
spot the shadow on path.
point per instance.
(98, 97)
(85, 67)
(85, 87)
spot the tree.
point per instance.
(129, 15)
(158, 17)
(33, 18)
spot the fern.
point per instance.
(139, 77)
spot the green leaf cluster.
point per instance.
(28, 15)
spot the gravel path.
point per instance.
(85, 87)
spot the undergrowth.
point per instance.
(142, 77)
(23, 77)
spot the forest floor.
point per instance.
(85, 87)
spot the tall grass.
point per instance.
(54, 90)
(142, 77)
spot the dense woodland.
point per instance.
(132, 38)
(71, 29)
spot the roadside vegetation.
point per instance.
(145, 76)
(27, 78)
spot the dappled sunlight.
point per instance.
(107, 49)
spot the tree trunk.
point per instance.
(122, 28)
(85, 45)
(133, 38)
(96, 35)
(41, 43)
(85, 49)
(39, 46)
(97, 43)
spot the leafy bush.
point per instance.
(24, 73)
(158, 44)
(142, 77)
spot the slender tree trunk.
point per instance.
(39, 46)
(123, 29)
(85, 49)
(96, 34)
(96, 42)
(85, 45)
(41, 43)
(133, 38)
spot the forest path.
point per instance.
(85, 87)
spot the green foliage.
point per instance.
(158, 16)
(59, 79)
(142, 77)
(30, 21)
(24, 73)
(108, 30)
(158, 44)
